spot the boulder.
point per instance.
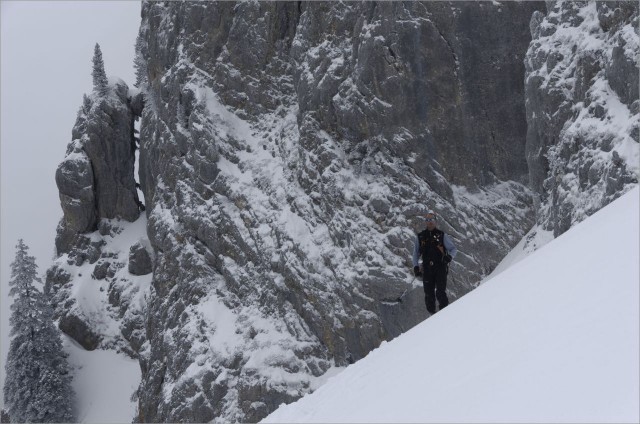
(77, 328)
(101, 270)
(139, 260)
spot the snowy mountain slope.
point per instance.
(105, 383)
(532, 241)
(554, 338)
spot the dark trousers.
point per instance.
(434, 281)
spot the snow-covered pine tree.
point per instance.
(100, 81)
(37, 386)
(139, 64)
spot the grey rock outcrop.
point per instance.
(102, 270)
(97, 186)
(96, 179)
(76, 326)
(74, 178)
(139, 260)
(387, 78)
(582, 108)
(287, 154)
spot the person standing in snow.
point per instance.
(436, 250)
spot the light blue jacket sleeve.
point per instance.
(416, 251)
(448, 244)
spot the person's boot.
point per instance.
(430, 304)
(432, 309)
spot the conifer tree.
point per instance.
(100, 82)
(139, 64)
(37, 386)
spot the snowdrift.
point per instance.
(553, 338)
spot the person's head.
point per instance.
(430, 220)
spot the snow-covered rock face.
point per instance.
(288, 154)
(583, 111)
(97, 302)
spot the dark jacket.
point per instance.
(425, 246)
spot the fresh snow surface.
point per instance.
(104, 382)
(553, 338)
(534, 240)
(104, 379)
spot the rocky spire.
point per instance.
(96, 184)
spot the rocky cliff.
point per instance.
(583, 111)
(288, 153)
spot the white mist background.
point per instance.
(46, 51)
